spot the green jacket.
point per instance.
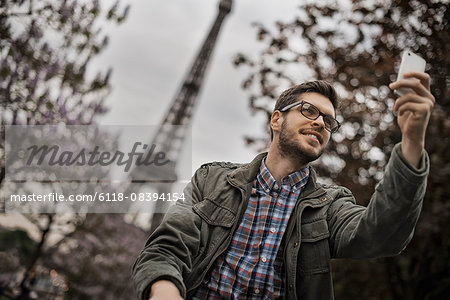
(326, 223)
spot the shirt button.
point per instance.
(263, 259)
(257, 291)
(272, 230)
(280, 201)
(275, 186)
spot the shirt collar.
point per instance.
(296, 179)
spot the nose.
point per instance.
(319, 122)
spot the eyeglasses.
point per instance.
(312, 113)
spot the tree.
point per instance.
(46, 47)
(356, 46)
(96, 259)
(45, 50)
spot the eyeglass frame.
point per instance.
(288, 107)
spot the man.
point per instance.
(267, 229)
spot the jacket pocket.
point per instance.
(216, 225)
(314, 252)
(214, 214)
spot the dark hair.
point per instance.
(292, 94)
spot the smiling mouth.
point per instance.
(313, 135)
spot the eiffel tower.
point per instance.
(169, 138)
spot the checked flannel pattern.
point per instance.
(252, 266)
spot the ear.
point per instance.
(276, 120)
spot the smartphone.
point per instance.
(410, 62)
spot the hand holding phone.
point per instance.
(414, 106)
(410, 62)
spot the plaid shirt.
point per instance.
(252, 266)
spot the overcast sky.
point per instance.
(151, 52)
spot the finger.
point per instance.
(424, 78)
(415, 85)
(413, 98)
(414, 108)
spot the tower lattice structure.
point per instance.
(172, 131)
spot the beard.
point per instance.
(290, 148)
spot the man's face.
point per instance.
(301, 138)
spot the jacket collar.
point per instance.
(243, 175)
(246, 173)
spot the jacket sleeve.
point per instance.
(386, 225)
(169, 250)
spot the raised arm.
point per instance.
(414, 110)
(386, 226)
